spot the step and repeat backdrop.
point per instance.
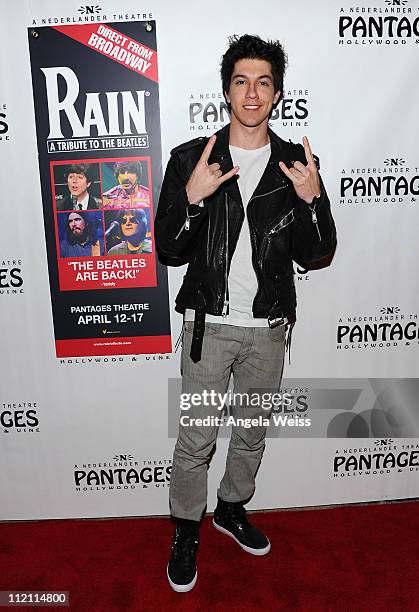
(92, 100)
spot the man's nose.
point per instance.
(251, 91)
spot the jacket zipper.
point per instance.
(279, 224)
(187, 223)
(266, 238)
(262, 195)
(225, 305)
(254, 250)
(314, 218)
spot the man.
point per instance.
(133, 231)
(239, 207)
(129, 193)
(78, 182)
(81, 236)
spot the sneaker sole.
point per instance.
(182, 588)
(253, 551)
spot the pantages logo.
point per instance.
(389, 22)
(389, 328)
(122, 473)
(88, 13)
(383, 458)
(4, 125)
(208, 111)
(11, 277)
(19, 417)
(392, 182)
(297, 403)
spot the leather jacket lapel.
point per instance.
(273, 178)
(221, 155)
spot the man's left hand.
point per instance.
(304, 178)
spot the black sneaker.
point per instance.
(230, 518)
(181, 569)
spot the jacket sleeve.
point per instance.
(177, 221)
(314, 232)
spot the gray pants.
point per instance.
(254, 356)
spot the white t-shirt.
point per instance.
(242, 280)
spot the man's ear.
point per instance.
(277, 96)
(227, 97)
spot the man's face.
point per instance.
(77, 185)
(251, 93)
(127, 180)
(129, 225)
(77, 225)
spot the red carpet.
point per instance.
(356, 558)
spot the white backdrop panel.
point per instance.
(362, 110)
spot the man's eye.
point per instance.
(266, 83)
(240, 82)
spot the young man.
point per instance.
(239, 207)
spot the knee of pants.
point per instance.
(194, 448)
(242, 441)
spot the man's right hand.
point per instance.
(205, 179)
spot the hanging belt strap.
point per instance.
(197, 335)
(198, 328)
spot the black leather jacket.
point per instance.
(282, 228)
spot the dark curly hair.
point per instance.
(253, 47)
(89, 235)
(80, 169)
(128, 166)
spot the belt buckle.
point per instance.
(276, 322)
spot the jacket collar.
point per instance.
(222, 143)
(272, 177)
(221, 154)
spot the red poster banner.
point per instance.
(118, 47)
(113, 346)
(98, 134)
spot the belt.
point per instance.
(198, 329)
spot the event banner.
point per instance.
(97, 118)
